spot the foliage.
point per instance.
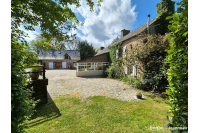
(114, 71)
(86, 49)
(139, 93)
(115, 40)
(149, 56)
(112, 52)
(178, 71)
(21, 103)
(165, 8)
(99, 114)
(53, 17)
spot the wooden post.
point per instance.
(43, 72)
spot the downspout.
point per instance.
(148, 24)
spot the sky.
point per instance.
(103, 25)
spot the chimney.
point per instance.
(124, 32)
(101, 48)
(148, 24)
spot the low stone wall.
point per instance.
(89, 73)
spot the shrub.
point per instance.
(114, 71)
(178, 71)
(22, 104)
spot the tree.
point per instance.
(178, 71)
(55, 18)
(115, 40)
(165, 8)
(86, 49)
(72, 45)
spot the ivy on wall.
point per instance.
(149, 56)
(112, 52)
(165, 8)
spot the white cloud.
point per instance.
(106, 22)
(31, 34)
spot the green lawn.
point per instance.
(99, 114)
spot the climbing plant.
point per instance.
(178, 71)
(112, 52)
(165, 8)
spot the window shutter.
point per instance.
(134, 71)
(117, 53)
(125, 69)
(124, 52)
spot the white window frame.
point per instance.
(117, 51)
(95, 64)
(134, 72)
(124, 52)
(125, 69)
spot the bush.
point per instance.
(22, 104)
(178, 71)
(114, 72)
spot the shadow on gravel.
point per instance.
(44, 113)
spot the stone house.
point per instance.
(130, 40)
(59, 59)
(89, 67)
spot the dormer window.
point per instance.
(67, 56)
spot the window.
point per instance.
(74, 64)
(117, 51)
(82, 68)
(124, 52)
(67, 56)
(133, 71)
(91, 66)
(125, 69)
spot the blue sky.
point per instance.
(106, 22)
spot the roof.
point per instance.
(58, 54)
(96, 58)
(135, 32)
(103, 51)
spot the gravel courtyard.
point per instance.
(61, 82)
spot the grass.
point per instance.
(98, 114)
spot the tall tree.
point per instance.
(86, 49)
(55, 19)
(164, 9)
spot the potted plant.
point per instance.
(164, 94)
(34, 73)
(139, 95)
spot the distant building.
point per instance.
(59, 59)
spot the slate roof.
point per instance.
(129, 35)
(135, 32)
(105, 50)
(58, 55)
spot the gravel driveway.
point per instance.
(63, 82)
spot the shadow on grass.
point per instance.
(44, 113)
